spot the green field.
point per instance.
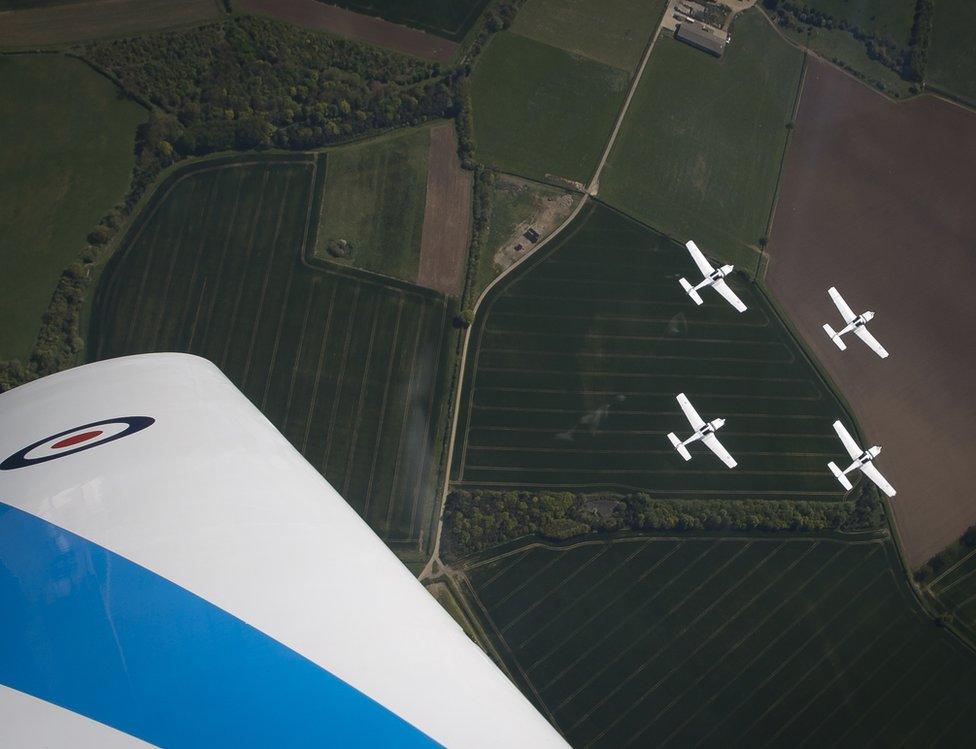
(952, 50)
(955, 590)
(541, 112)
(698, 155)
(752, 642)
(374, 199)
(890, 19)
(447, 18)
(347, 368)
(614, 32)
(576, 358)
(67, 154)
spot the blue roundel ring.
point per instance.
(133, 424)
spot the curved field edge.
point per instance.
(615, 647)
(412, 549)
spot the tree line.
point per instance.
(479, 519)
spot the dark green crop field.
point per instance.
(952, 49)
(751, 642)
(346, 367)
(955, 589)
(448, 18)
(542, 112)
(575, 361)
(699, 153)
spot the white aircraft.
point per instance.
(713, 277)
(862, 459)
(704, 431)
(856, 324)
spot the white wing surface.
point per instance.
(875, 475)
(699, 258)
(716, 447)
(696, 421)
(871, 341)
(841, 305)
(852, 447)
(723, 288)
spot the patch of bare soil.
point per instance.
(547, 214)
(82, 22)
(878, 199)
(447, 214)
(353, 25)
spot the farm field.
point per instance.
(352, 25)
(448, 18)
(374, 199)
(67, 156)
(952, 52)
(70, 23)
(699, 153)
(542, 112)
(614, 32)
(776, 642)
(955, 589)
(347, 368)
(868, 185)
(575, 360)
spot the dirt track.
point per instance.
(878, 199)
(447, 215)
(352, 25)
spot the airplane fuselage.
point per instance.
(716, 275)
(863, 459)
(710, 428)
(858, 322)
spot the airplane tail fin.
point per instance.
(682, 450)
(835, 338)
(690, 291)
(839, 475)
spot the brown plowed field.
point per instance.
(878, 199)
(316, 15)
(447, 215)
(82, 22)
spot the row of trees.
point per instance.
(479, 519)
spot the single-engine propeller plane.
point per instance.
(714, 277)
(704, 431)
(862, 459)
(856, 324)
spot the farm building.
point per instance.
(703, 37)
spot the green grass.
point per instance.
(447, 18)
(375, 193)
(772, 642)
(698, 155)
(841, 48)
(952, 49)
(347, 368)
(882, 18)
(614, 32)
(955, 590)
(66, 157)
(541, 112)
(576, 358)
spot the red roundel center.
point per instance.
(74, 439)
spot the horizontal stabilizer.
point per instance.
(835, 338)
(839, 475)
(682, 450)
(690, 291)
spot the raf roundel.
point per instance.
(75, 440)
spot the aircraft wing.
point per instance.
(845, 311)
(711, 441)
(723, 288)
(874, 474)
(174, 572)
(696, 421)
(699, 258)
(871, 341)
(852, 447)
